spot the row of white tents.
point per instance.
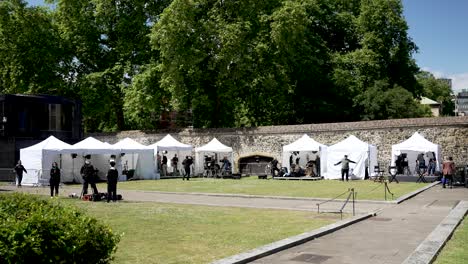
(130, 154)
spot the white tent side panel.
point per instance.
(357, 169)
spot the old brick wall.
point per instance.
(450, 132)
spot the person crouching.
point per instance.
(112, 178)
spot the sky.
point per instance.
(440, 30)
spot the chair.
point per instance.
(379, 174)
(421, 173)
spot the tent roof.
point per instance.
(50, 143)
(215, 146)
(416, 143)
(350, 144)
(305, 143)
(91, 145)
(170, 143)
(130, 144)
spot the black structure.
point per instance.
(28, 119)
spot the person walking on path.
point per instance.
(112, 178)
(187, 163)
(54, 179)
(19, 169)
(88, 174)
(448, 169)
(345, 167)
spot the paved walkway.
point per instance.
(390, 237)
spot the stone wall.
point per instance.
(449, 132)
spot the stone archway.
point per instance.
(253, 164)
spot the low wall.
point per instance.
(449, 132)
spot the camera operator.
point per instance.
(187, 162)
(88, 173)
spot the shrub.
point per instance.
(34, 230)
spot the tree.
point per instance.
(33, 59)
(438, 90)
(110, 46)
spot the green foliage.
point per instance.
(382, 101)
(33, 59)
(33, 230)
(437, 90)
(229, 63)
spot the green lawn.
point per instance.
(367, 190)
(170, 233)
(455, 251)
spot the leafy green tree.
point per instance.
(384, 102)
(33, 59)
(217, 59)
(437, 90)
(110, 45)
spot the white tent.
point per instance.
(170, 147)
(413, 146)
(358, 151)
(38, 159)
(140, 157)
(306, 147)
(100, 155)
(214, 147)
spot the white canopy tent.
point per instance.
(415, 145)
(169, 147)
(214, 147)
(100, 155)
(358, 151)
(140, 157)
(308, 148)
(38, 159)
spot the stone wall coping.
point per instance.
(306, 128)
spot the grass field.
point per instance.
(169, 233)
(455, 251)
(366, 190)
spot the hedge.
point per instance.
(35, 230)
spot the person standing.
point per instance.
(174, 164)
(88, 174)
(19, 169)
(345, 167)
(187, 163)
(432, 167)
(54, 179)
(164, 165)
(112, 178)
(448, 169)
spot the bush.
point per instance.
(34, 230)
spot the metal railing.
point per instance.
(351, 195)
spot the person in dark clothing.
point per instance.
(187, 163)
(345, 167)
(274, 167)
(88, 174)
(19, 169)
(54, 179)
(112, 178)
(174, 164)
(164, 165)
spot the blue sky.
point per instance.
(440, 30)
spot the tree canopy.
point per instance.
(229, 63)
